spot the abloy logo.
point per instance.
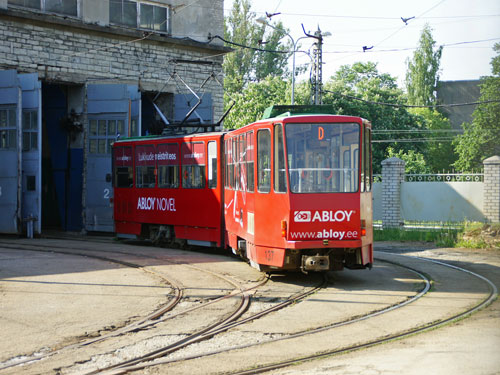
(302, 216)
(322, 216)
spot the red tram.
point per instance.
(289, 192)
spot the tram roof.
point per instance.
(277, 111)
(169, 136)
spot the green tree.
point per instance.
(480, 139)
(414, 161)
(363, 80)
(423, 70)
(251, 102)
(439, 153)
(246, 65)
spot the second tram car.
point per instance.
(289, 192)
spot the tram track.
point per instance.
(155, 317)
(162, 356)
(205, 334)
(127, 368)
(177, 296)
(489, 298)
(493, 294)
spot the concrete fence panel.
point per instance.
(442, 201)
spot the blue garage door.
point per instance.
(10, 152)
(31, 149)
(112, 113)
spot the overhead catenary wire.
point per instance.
(402, 27)
(414, 140)
(412, 106)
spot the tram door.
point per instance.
(10, 152)
(349, 161)
(113, 112)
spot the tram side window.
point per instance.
(168, 165)
(236, 175)
(212, 164)
(145, 166)
(250, 162)
(242, 176)
(229, 164)
(123, 167)
(279, 160)
(226, 163)
(193, 165)
(264, 161)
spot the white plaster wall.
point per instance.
(442, 201)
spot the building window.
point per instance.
(123, 12)
(66, 7)
(34, 4)
(153, 17)
(8, 132)
(139, 15)
(102, 133)
(30, 130)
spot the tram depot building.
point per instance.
(75, 75)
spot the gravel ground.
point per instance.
(49, 300)
(470, 346)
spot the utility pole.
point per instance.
(317, 77)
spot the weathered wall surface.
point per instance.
(68, 50)
(442, 201)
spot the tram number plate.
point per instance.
(269, 254)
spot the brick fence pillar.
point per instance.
(492, 189)
(393, 172)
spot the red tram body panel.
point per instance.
(162, 187)
(290, 192)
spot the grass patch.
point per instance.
(466, 235)
(444, 236)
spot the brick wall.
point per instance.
(492, 189)
(393, 170)
(70, 51)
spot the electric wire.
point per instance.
(410, 105)
(401, 28)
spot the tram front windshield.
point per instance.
(323, 158)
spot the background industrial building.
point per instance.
(77, 74)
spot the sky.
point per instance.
(467, 29)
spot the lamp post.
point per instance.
(263, 21)
(318, 35)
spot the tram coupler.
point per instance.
(315, 263)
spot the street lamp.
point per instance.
(263, 21)
(318, 35)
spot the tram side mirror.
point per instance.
(108, 177)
